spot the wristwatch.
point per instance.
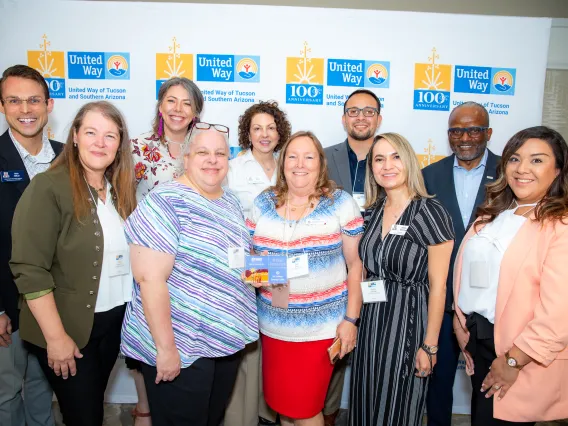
(512, 362)
(430, 349)
(354, 321)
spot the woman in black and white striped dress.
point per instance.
(406, 251)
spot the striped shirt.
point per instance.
(318, 301)
(35, 164)
(213, 312)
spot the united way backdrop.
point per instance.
(420, 65)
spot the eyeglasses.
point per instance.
(367, 111)
(472, 132)
(32, 101)
(200, 125)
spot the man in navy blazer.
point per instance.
(458, 182)
(24, 152)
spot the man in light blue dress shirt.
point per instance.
(458, 182)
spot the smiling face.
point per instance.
(177, 111)
(26, 121)
(361, 128)
(97, 139)
(207, 162)
(469, 148)
(302, 165)
(388, 168)
(263, 133)
(531, 170)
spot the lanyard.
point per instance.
(286, 239)
(355, 178)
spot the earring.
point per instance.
(160, 125)
(75, 144)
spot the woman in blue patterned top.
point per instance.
(191, 314)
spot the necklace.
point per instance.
(397, 215)
(295, 207)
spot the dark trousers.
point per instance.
(481, 346)
(440, 398)
(197, 397)
(81, 396)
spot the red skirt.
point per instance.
(295, 376)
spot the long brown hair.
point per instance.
(499, 195)
(120, 173)
(324, 186)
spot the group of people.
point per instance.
(138, 246)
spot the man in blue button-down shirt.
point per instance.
(458, 182)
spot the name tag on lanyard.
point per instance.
(236, 257)
(119, 262)
(298, 266)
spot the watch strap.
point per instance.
(354, 321)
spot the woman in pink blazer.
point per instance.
(511, 287)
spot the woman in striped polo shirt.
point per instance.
(191, 314)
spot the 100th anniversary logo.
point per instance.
(304, 78)
(51, 65)
(173, 64)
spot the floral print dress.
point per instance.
(153, 163)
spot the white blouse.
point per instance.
(116, 284)
(246, 178)
(481, 264)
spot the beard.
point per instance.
(477, 152)
(360, 136)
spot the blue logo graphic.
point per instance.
(98, 65)
(357, 73)
(228, 68)
(56, 87)
(484, 80)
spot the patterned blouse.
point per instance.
(318, 301)
(213, 312)
(153, 163)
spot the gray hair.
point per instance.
(472, 104)
(195, 97)
(190, 138)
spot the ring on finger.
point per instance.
(422, 373)
(496, 387)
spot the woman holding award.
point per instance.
(317, 227)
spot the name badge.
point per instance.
(12, 176)
(298, 266)
(236, 257)
(312, 222)
(360, 199)
(373, 291)
(255, 179)
(398, 229)
(478, 274)
(119, 263)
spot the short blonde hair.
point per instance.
(414, 178)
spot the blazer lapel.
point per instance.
(342, 163)
(515, 254)
(13, 161)
(489, 176)
(452, 200)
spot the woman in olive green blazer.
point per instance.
(70, 261)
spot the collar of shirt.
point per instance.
(249, 157)
(43, 157)
(482, 163)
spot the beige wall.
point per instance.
(543, 8)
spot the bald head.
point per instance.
(471, 108)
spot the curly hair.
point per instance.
(283, 126)
(499, 195)
(324, 185)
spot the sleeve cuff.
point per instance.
(526, 348)
(37, 294)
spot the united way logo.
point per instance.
(503, 80)
(228, 68)
(432, 84)
(484, 80)
(357, 73)
(247, 69)
(378, 74)
(51, 65)
(304, 78)
(173, 64)
(98, 65)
